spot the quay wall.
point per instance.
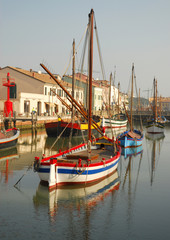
(24, 122)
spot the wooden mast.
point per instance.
(156, 100)
(110, 93)
(118, 100)
(139, 101)
(131, 125)
(90, 74)
(73, 77)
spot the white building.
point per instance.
(34, 90)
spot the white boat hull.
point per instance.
(55, 172)
(111, 123)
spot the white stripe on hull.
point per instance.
(113, 123)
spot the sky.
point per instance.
(130, 31)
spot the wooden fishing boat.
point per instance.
(155, 125)
(65, 128)
(79, 166)
(9, 138)
(87, 163)
(117, 121)
(132, 137)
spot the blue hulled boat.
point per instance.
(132, 137)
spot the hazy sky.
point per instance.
(130, 31)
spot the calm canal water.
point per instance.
(134, 203)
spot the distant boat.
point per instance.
(156, 124)
(84, 164)
(132, 137)
(117, 121)
(9, 138)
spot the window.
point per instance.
(53, 91)
(26, 106)
(59, 92)
(13, 91)
(45, 90)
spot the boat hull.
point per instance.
(125, 141)
(55, 173)
(112, 123)
(54, 129)
(7, 142)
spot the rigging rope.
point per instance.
(75, 51)
(98, 45)
(60, 134)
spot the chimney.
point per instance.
(30, 70)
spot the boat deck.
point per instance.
(96, 155)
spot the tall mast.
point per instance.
(139, 101)
(131, 127)
(73, 76)
(118, 98)
(110, 92)
(155, 99)
(91, 15)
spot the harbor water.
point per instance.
(133, 203)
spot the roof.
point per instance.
(83, 78)
(43, 77)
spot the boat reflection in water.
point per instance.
(8, 154)
(129, 155)
(7, 161)
(68, 196)
(154, 141)
(133, 151)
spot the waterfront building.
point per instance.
(163, 104)
(35, 90)
(81, 80)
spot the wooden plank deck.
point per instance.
(97, 155)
